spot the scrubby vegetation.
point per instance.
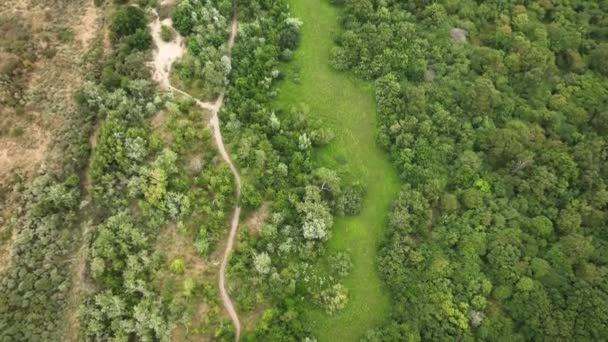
(44, 206)
(33, 291)
(146, 180)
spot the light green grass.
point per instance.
(347, 106)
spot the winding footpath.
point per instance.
(164, 56)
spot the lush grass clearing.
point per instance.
(347, 105)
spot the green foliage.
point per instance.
(65, 35)
(334, 298)
(290, 34)
(159, 186)
(166, 33)
(136, 188)
(205, 67)
(345, 107)
(250, 197)
(351, 199)
(127, 21)
(182, 17)
(273, 150)
(178, 266)
(599, 58)
(262, 263)
(492, 149)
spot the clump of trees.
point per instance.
(273, 150)
(205, 67)
(145, 179)
(498, 136)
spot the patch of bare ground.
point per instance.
(182, 333)
(252, 318)
(88, 26)
(175, 244)
(23, 150)
(256, 219)
(42, 45)
(9, 194)
(159, 122)
(166, 53)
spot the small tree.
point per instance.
(167, 34)
(126, 21)
(178, 266)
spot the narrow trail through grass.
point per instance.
(347, 106)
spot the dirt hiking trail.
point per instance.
(164, 56)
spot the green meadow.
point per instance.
(347, 106)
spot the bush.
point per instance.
(167, 34)
(334, 298)
(182, 17)
(251, 197)
(340, 264)
(178, 266)
(127, 21)
(140, 40)
(286, 55)
(352, 198)
(290, 36)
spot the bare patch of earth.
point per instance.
(258, 217)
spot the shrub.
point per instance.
(334, 298)
(65, 35)
(140, 40)
(178, 266)
(251, 197)
(167, 33)
(340, 264)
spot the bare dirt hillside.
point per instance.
(42, 48)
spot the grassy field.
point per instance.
(347, 105)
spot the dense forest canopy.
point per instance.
(495, 114)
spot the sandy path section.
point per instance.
(164, 57)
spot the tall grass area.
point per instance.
(347, 106)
